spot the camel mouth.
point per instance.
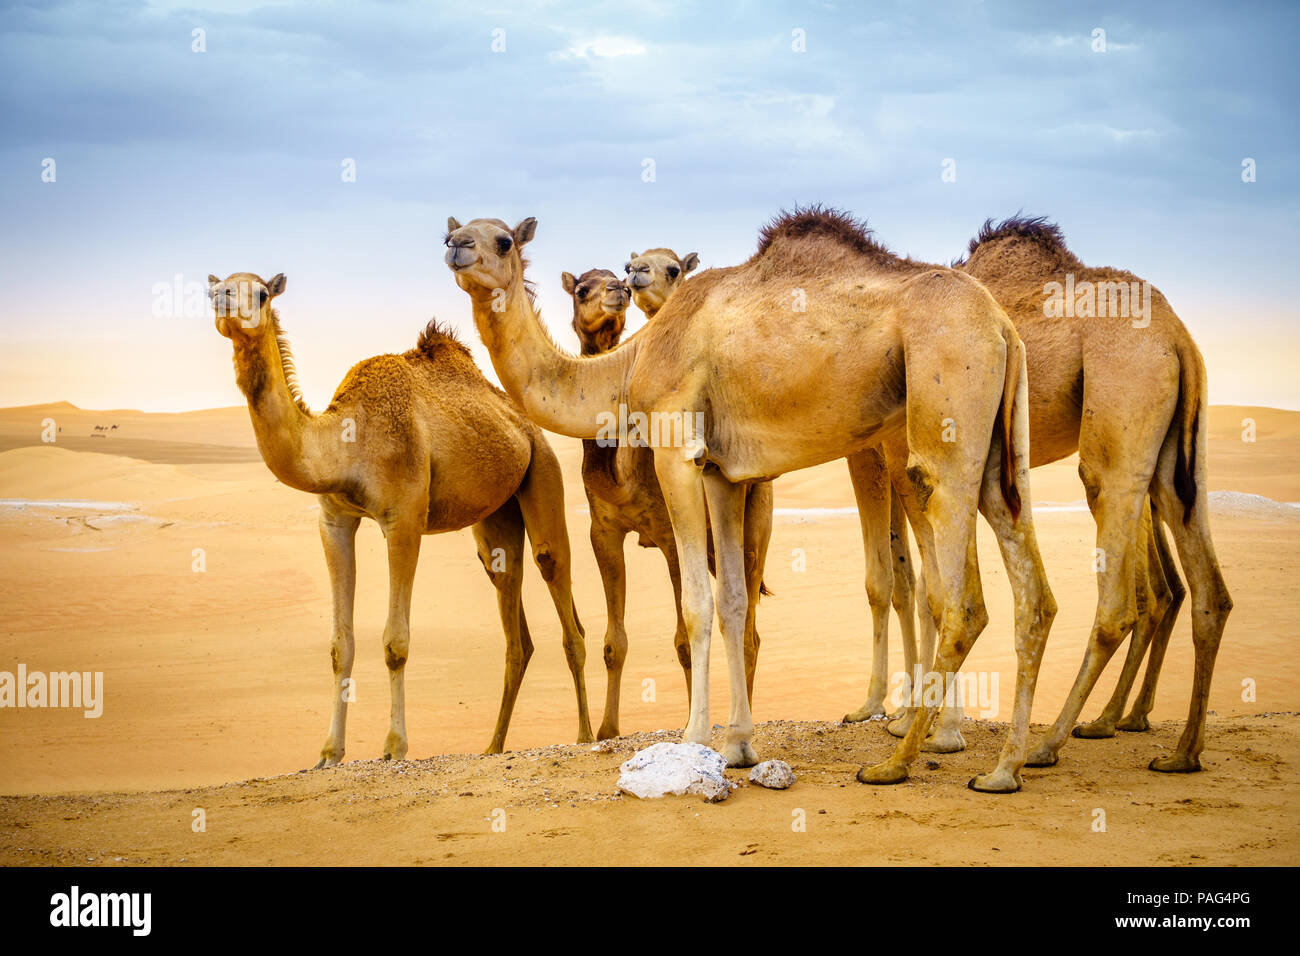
(638, 280)
(459, 258)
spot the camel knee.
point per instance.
(615, 654)
(396, 649)
(684, 653)
(547, 563)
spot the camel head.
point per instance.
(243, 304)
(600, 302)
(484, 254)
(654, 274)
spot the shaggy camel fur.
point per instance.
(889, 351)
(421, 443)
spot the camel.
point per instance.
(654, 274)
(624, 497)
(889, 351)
(422, 444)
(1142, 464)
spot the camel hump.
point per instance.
(788, 229)
(437, 337)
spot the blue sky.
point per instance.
(173, 162)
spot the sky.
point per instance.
(188, 139)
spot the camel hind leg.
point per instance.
(541, 499)
(1137, 721)
(499, 539)
(607, 544)
(1154, 599)
(1211, 602)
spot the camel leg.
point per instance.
(681, 642)
(683, 488)
(607, 543)
(1116, 485)
(1035, 608)
(1153, 598)
(928, 618)
(871, 489)
(905, 587)
(1211, 602)
(541, 499)
(338, 535)
(1136, 720)
(726, 503)
(403, 555)
(943, 516)
(757, 534)
(499, 540)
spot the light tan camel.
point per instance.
(1142, 463)
(888, 351)
(624, 497)
(654, 274)
(421, 443)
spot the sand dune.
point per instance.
(223, 674)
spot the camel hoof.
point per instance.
(607, 732)
(865, 712)
(999, 781)
(899, 726)
(1175, 763)
(1133, 723)
(584, 737)
(1099, 729)
(493, 748)
(739, 753)
(328, 759)
(942, 742)
(882, 774)
(1042, 757)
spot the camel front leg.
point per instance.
(683, 488)
(338, 535)
(607, 544)
(871, 489)
(403, 555)
(726, 503)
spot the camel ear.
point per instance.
(690, 262)
(631, 255)
(569, 283)
(213, 282)
(276, 285)
(452, 224)
(525, 231)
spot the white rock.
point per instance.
(773, 774)
(678, 769)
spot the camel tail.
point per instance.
(1007, 420)
(1191, 394)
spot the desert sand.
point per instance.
(217, 682)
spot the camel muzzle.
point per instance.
(461, 257)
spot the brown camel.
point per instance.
(1142, 464)
(654, 274)
(421, 443)
(916, 356)
(624, 497)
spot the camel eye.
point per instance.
(627, 268)
(503, 245)
(582, 295)
(673, 272)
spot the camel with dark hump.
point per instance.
(1119, 379)
(421, 443)
(624, 498)
(653, 276)
(888, 352)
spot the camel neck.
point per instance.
(287, 434)
(560, 392)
